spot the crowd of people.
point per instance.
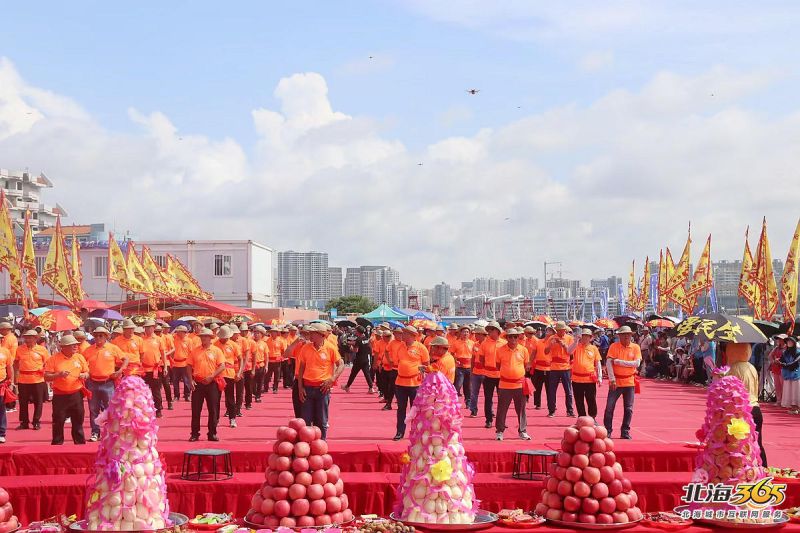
(233, 365)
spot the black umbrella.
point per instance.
(769, 328)
(721, 328)
(346, 323)
(361, 321)
(536, 324)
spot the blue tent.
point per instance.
(424, 315)
(384, 312)
(405, 312)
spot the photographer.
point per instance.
(361, 347)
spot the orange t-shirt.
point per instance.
(541, 360)
(477, 366)
(205, 361)
(298, 353)
(276, 348)
(532, 345)
(75, 365)
(83, 346)
(559, 357)
(409, 359)
(318, 364)
(390, 360)
(6, 364)
(132, 348)
(167, 342)
(584, 363)
(624, 374)
(31, 362)
(512, 366)
(152, 353)
(183, 349)
(462, 352)
(378, 347)
(262, 349)
(231, 353)
(488, 352)
(447, 366)
(103, 361)
(10, 343)
(427, 341)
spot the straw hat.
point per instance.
(224, 333)
(316, 327)
(529, 329)
(244, 327)
(586, 331)
(624, 330)
(480, 330)
(79, 334)
(128, 324)
(561, 326)
(205, 332)
(100, 331)
(410, 329)
(440, 341)
(493, 324)
(181, 329)
(149, 323)
(5, 325)
(512, 332)
(68, 340)
(31, 333)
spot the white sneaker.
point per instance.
(68, 421)
(498, 436)
(2, 440)
(524, 436)
(233, 423)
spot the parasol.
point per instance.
(545, 319)
(163, 314)
(606, 323)
(422, 323)
(720, 327)
(660, 323)
(59, 320)
(107, 314)
(91, 305)
(346, 323)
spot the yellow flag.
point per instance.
(9, 259)
(136, 274)
(633, 295)
(153, 273)
(748, 289)
(189, 287)
(703, 277)
(765, 278)
(117, 266)
(676, 287)
(644, 292)
(789, 278)
(77, 276)
(28, 262)
(56, 272)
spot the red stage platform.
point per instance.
(44, 480)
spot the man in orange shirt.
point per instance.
(103, 360)
(513, 361)
(541, 367)
(80, 336)
(183, 345)
(461, 348)
(556, 347)
(168, 345)
(295, 350)
(205, 364)
(410, 358)
(6, 380)
(586, 373)
(132, 346)
(153, 361)
(10, 343)
(319, 367)
(394, 342)
(248, 346)
(243, 349)
(261, 355)
(67, 369)
(487, 357)
(378, 347)
(441, 359)
(452, 332)
(429, 335)
(622, 360)
(476, 376)
(276, 349)
(29, 363)
(232, 373)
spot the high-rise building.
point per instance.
(442, 297)
(22, 194)
(610, 283)
(335, 275)
(373, 282)
(303, 279)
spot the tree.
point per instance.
(351, 304)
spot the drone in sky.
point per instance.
(473, 91)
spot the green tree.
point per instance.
(351, 304)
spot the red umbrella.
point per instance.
(59, 320)
(163, 314)
(91, 305)
(606, 323)
(661, 323)
(544, 319)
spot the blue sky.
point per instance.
(549, 75)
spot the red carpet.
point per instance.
(666, 416)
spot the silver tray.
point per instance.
(483, 520)
(730, 524)
(179, 523)
(298, 528)
(597, 527)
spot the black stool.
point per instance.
(532, 464)
(215, 473)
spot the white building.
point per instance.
(235, 272)
(442, 297)
(23, 194)
(303, 279)
(373, 282)
(337, 288)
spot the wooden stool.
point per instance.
(532, 464)
(215, 473)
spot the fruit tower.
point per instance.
(127, 491)
(8, 522)
(586, 483)
(436, 481)
(303, 487)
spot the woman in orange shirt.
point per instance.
(410, 358)
(29, 361)
(586, 373)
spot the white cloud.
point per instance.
(592, 186)
(596, 61)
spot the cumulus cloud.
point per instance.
(596, 61)
(591, 185)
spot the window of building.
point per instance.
(19, 185)
(222, 265)
(34, 215)
(101, 266)
(161, 260)
(40, 264)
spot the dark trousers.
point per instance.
(489, 386)
(31, 393)
(155, 387)
(405, 395)
(239, 391)
(462, 382)
(359, 366)
(287, 368)
(627, 394)
(504, 399)
(297, 406)
(585, 398)
(102, 392)
(208, 393)
(181, 375)
(247, 377)
(758, 420)
(166, 383)
(391, 376)
(380, 380)
(273, 374)
(258, 380)
(554, 377)
(539, 382)
(68, 406)
(475, 382)
(230, 398)
(315, 409)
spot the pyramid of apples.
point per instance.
(586, 483)
(303, 487)
(8, 522)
